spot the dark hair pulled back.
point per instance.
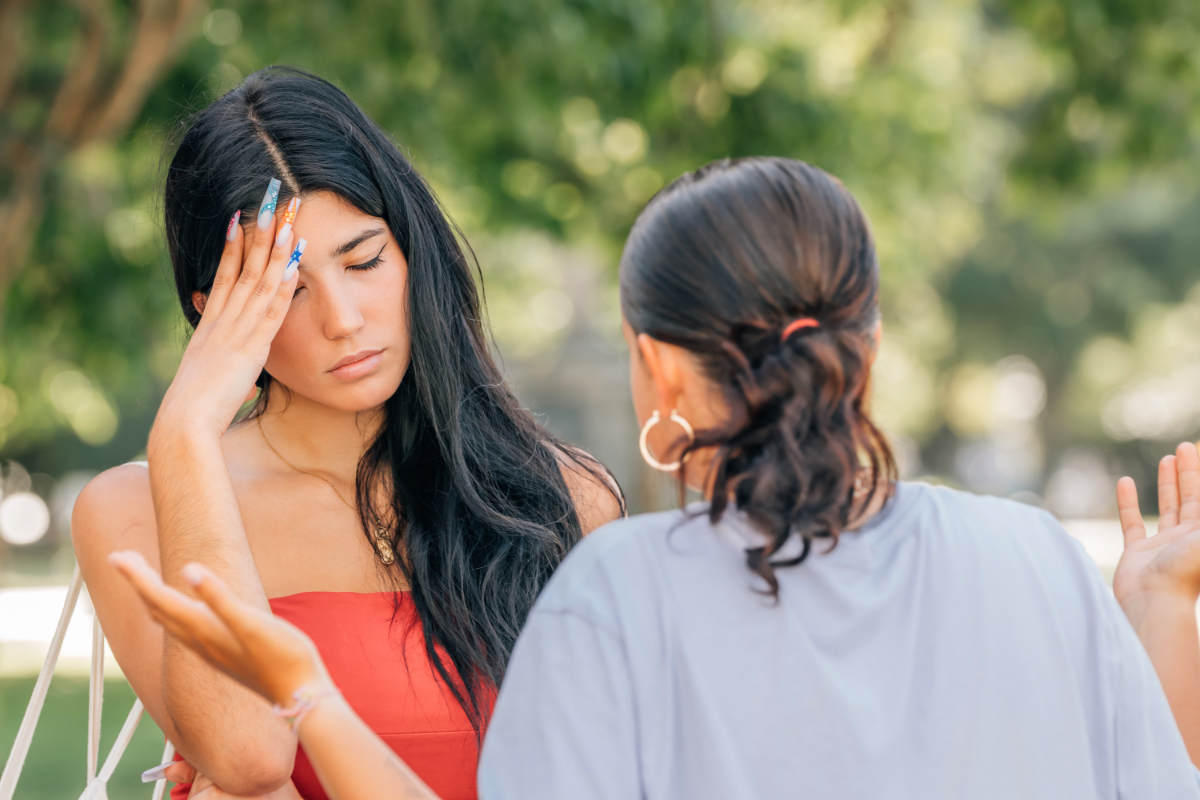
(475, 499)
(719, 263)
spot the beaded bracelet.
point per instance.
(306, 700)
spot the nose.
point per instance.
(341, 316)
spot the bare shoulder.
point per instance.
(114, 509)
(598, 498)
(116, 512)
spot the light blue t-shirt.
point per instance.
(956, 647)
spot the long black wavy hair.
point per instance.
(477, 507)
(721, 262)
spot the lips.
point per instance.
(357, 364)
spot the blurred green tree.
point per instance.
(83, 82)
(1029, 167)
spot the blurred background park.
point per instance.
(1029, 166)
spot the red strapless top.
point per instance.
(381, 668)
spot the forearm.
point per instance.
(1167, 628)
(351, 761)
(196, 511)
(225, 730)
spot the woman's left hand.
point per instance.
(204, 789)
(275, 659)
(264, 653)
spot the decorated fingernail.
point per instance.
(294, 262)
(284, 233)
(267, 210)
(231, 231)
(289, 213)
(157, 773)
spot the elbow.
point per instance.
(231, 739)
(263, 783)
(246, 760)
(251, 772)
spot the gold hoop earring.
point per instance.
(644, 446)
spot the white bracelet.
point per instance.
(306, 700)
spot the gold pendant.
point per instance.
(381, 545)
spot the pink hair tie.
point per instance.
(799, 324)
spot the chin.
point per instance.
(359, 398)
(365, 394)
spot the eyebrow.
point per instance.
(342, 249)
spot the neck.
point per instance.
(316, 437)
(701, 478)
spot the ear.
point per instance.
(251, 394)
(877, 335)
(662, 362)
(199, 301)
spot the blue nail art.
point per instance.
(267, 210)
(294, 262)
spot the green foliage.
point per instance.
(57, 763)
(1028, 165)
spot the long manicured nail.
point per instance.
(231, 231)
(284, 233)
(289, 213)
(294, 262)
(267, 210)
(157, 773)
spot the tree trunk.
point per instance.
(88, 107)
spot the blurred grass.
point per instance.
(57, 762)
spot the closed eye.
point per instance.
(372, 264)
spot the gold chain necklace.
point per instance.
(382, 546)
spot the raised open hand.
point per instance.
(264, 653)
(1168, 563)
(250, 296)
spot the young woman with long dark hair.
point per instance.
(815, 627)
(386, 492)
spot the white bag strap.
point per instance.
(160, 785)
(95, 699)
(97, 782)
(97, 787)
(16, 757)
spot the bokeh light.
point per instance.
(24, 518)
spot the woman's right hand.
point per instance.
(1157, 582)
(250, 296)
(1166, 566)
(259, 650)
